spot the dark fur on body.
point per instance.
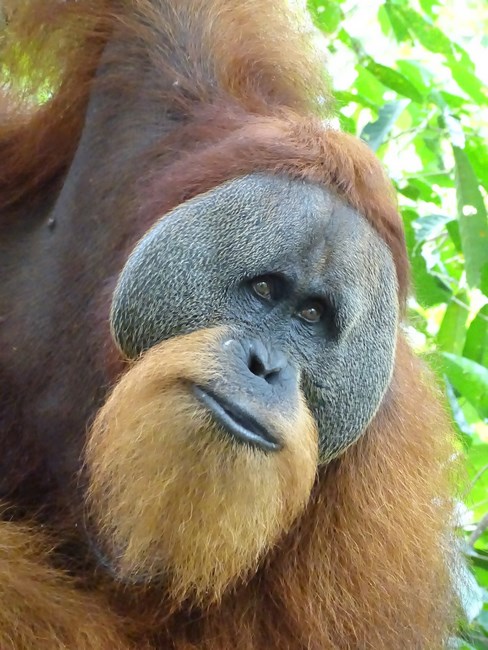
(156, 103)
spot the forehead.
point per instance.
(262, 223)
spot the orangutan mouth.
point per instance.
(237, 421)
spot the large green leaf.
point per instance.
(443, 99)
(326, 14)
(431, 37)
(344, 97)
(477, 151)
(473, 221)
(428, 5)
(397, 23)
(470, 380)
(484, 280)
(468, 82)
(368, 86)
(452, 331)
(417, 74)
(395, 80)
(476, 347)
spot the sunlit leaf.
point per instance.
(470, 380)
(417, 74)
(368, 86)
(453, 230)
(484, 279)
(347, 123)
(393, 79)
(326, 14)
(425, 191)
(473, 221)
(428, 5)
(464, 430)
(477, 151)
(443, 98)
(476, 347)
(428, 288)
(343, 97)
(468, 82)
(431, 37)
(429, 152)
(452, 331)
(397, 23)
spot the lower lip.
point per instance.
(227, 419)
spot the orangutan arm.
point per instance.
(40, 608)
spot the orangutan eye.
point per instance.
(311, 313)
(262, 287)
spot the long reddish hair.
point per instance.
(365, 566)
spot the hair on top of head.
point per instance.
(216, 67)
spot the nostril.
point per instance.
(263, 362)
(256, 365)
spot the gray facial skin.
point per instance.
(195, 269)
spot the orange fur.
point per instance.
(359, 565)
(173, 496)
(43, 608)
(365, 566)
(257, 120)
(61, 44)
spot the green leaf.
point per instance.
(425, 191)
(476, 462)
(430, 153)
(428, 288)
(453, 230)
(327, 15)
(476, 346)
(394, 80)
(376, 133)
(410, 192)
(469, 379)
(452, 331)
(484, 279)
(443, 98)
(432, 38)
(464, 431)
(383, 20)
(347, 123)
(427, 6)
(397, 23)
(368, 86)
(473, 221)
(344, 97)
(417, 74)
(468, 82)
(477, 152)
(430, 226)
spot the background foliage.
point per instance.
(407, 76)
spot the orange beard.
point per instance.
(174, 497)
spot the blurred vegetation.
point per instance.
(408, 78)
